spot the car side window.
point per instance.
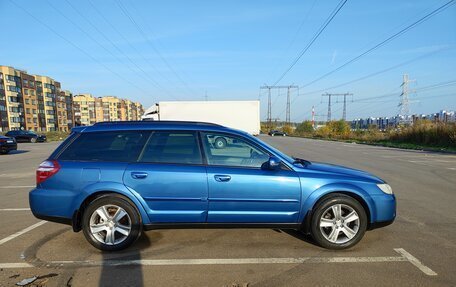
(120, 146)
(172, 147)
(226, 150)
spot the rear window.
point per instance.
(172, 147)
(121, 146)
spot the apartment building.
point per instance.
(139, 111)
(84, 110)
(30, 102)
(48, 91)
(12, 99)
(68, 98)
(38, 103)
(3, 108)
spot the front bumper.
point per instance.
(385, 210)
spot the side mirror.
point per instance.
(272, 164)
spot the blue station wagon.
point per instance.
(114, 180)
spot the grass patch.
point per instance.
(422, 135)
(55, 136)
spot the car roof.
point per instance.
(155, 125)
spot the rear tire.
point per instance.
(338, 222)
(4, 151)
(111, 223)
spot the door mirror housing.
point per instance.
(272, 164)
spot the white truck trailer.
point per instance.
(241, 115)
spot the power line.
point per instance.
(144, 35)
(144, 74)
(90, 37)
(382, 43)
(145, 59)
(330, 96)
(367, 101)
(304, 20)
(380, 71)
(404, 104)
(269, 88)
(314, 38)
(76, 46)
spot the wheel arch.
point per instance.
(93, 193)
(327, 191)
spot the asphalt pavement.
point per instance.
(419, 249)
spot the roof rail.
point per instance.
(157, 122)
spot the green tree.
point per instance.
(304, 128)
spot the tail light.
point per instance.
(2, 140)
(46, 169)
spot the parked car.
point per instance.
(26, 136)
(276, 133)
(114, 180)
(7, 144)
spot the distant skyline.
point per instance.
(150, 51)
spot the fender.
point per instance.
(115, 187)
(309, 201)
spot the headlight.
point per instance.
(385, 188)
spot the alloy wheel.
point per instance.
(110, 224)
(339, 223)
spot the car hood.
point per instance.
(344, 171)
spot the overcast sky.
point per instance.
(152, 51)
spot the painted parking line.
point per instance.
(405, 257)
(14, 209)
(23, 231)
(17, 186)
(412, 259)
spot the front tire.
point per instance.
(111, 223)
(339, 222)
(33, 140)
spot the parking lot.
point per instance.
(419, 249)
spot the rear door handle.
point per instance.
(138, 175)
(222, 178)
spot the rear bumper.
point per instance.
(53, 205)
(8, 147)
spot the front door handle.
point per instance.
(138, 175)
(222, 178)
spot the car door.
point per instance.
(23, 136)
(171, 178)
(14, 134)
(240, 191)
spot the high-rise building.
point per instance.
(34, 102)
(84, 110)
(3, 108)
(30, 102)
(68, 98)
(13, 100)
(47, 98)
(139, 111)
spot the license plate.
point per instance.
(9, 141)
